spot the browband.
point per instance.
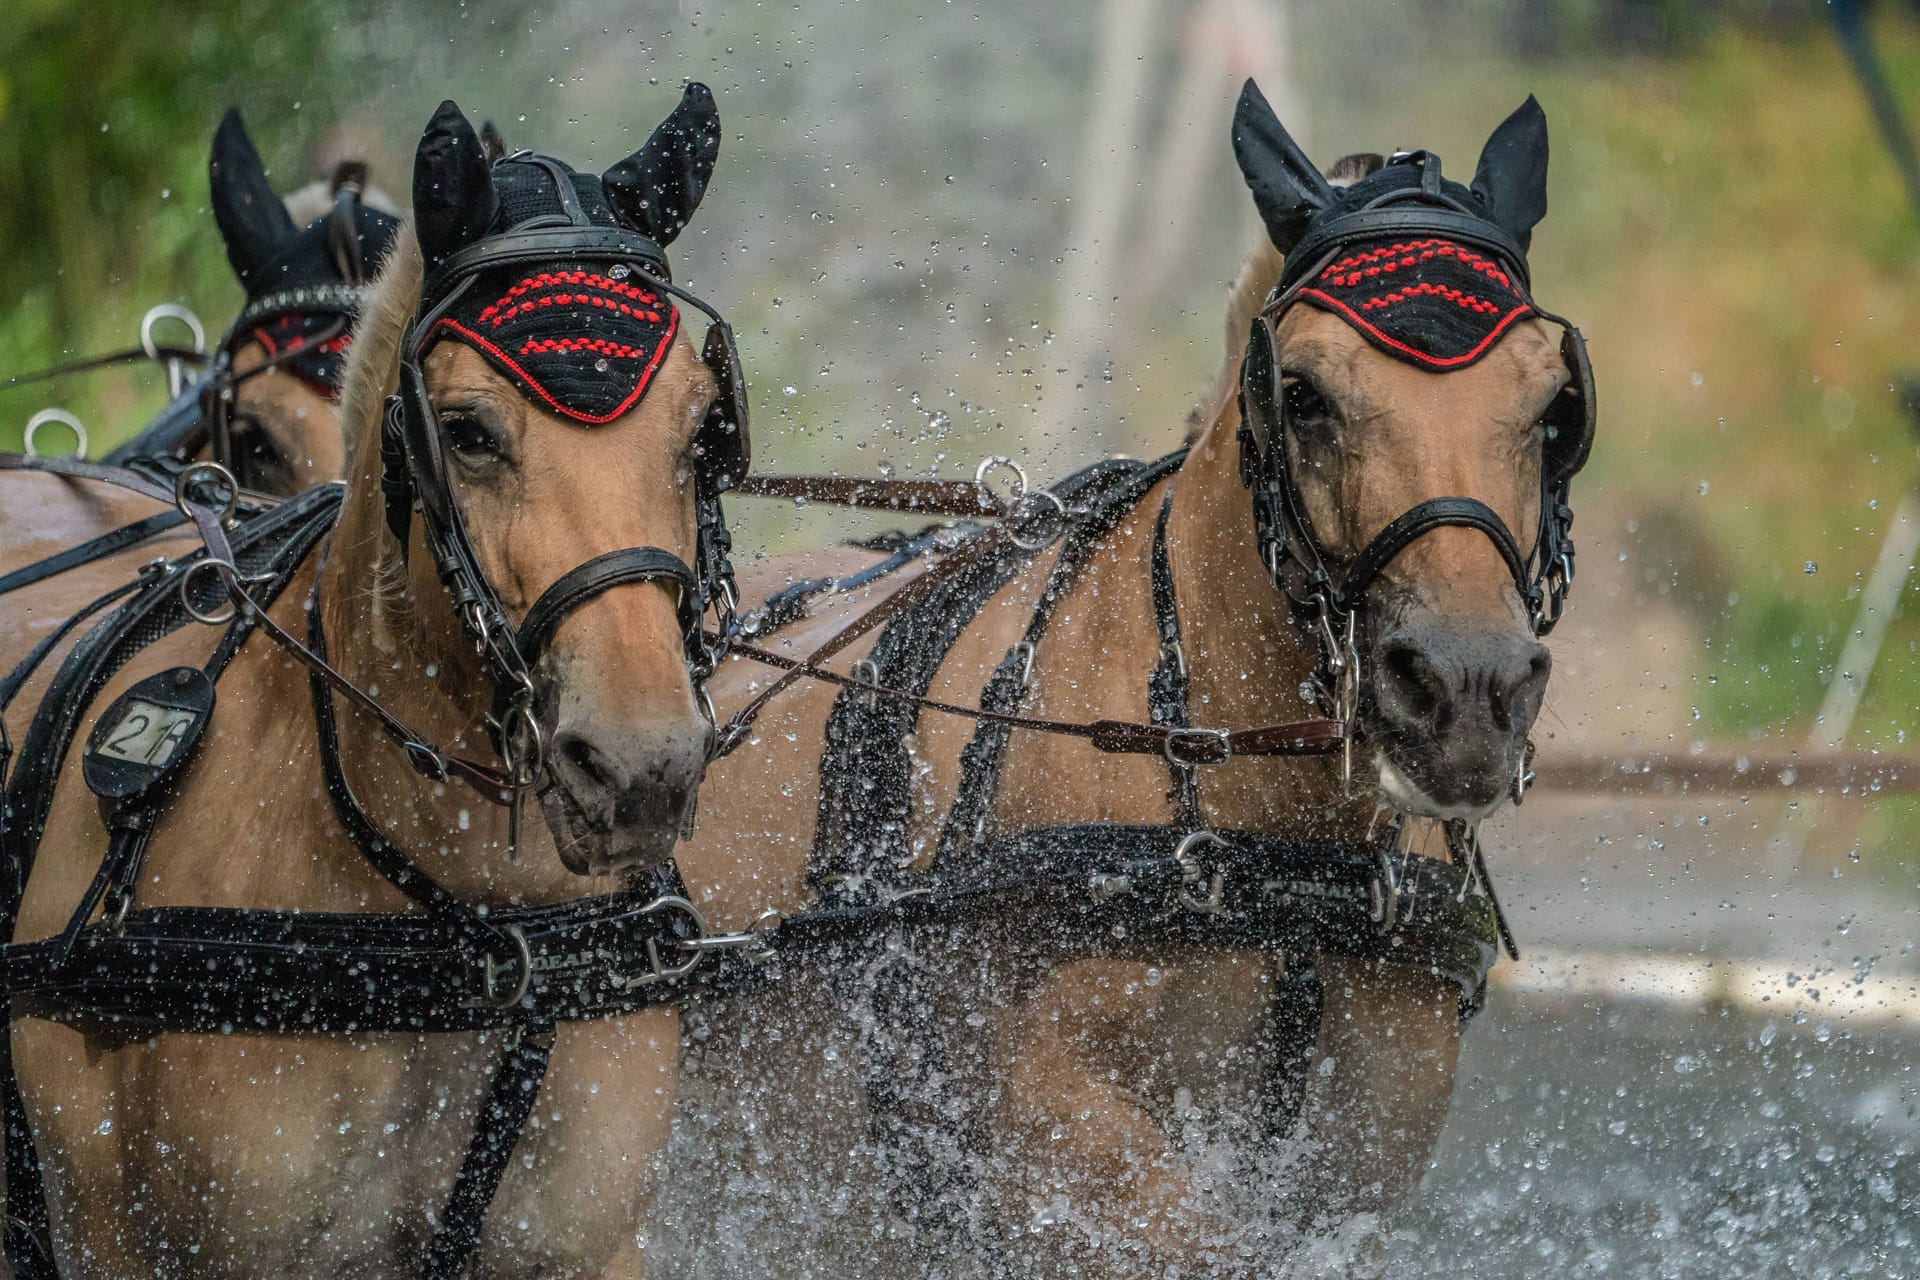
(1376, 221)
(540, 244)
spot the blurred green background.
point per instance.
(951, 230)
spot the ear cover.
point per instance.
(453, 197)
(1511, 179)
(657, 188)
(1287, 189)
(254, 223)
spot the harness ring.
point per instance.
(66, 420)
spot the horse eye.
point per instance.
(469, 437)
(1303, 401)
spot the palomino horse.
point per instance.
(1154, 1001)
(331, 970)
(269, 410)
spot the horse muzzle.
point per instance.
(618, 800)
(1449, 712)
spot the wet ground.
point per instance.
(1632, 1129)
(1623, 1139)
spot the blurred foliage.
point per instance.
(105, 119)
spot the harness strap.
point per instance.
(392, 863)
(980, 761)
(1115, 737)
(1422, 519)
(602, 573)
(107, 544)
(76, 469)
(965, 498)
(1167, 686)
(516, 1087)
(740, 723)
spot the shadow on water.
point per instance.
(1608, 1139)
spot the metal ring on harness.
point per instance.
(987, 467)
(1031, 508)
(523, 961)
(1383, 893)
(202, 475)
(185, 588)
(176, 370)
(66, 420)
(658, 970)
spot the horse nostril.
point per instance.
(1516, 686)
(579, 756)
(1414, 688)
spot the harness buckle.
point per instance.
(1187, 748)
(1383, 893)
(426, 762)
(1023, 650)
(1194, 874)
(658, 970)
(492, 971)
(867, 671)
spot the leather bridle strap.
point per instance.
(487, 782)
(1418, 521)
(603, 573)
(1119, 737)
(963, 498)
(740, 723)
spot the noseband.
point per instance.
(1293, 553)
(415, 477)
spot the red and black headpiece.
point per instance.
(578, 335)
(303, 285)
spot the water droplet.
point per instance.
(106, 1126)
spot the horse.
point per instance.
(269, 409)
(1111, 988)
(193, 1096)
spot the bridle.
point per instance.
(1331, 603)
(415, 477)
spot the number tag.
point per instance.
(148, 732)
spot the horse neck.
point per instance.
(1247, 655)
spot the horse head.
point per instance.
(273, 412)
(555, 435)
(1409, 429)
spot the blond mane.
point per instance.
(373, 373)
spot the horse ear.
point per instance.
(1286, 187)
(656, 189)
(491, 142)
(253, 221)
(1512, 178)
(453, 197)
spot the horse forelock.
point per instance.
(373, 373)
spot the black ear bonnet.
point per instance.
(303, 285)
(584, 332)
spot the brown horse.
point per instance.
(195, 1153)
(270, 409)
(1054, 1098)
